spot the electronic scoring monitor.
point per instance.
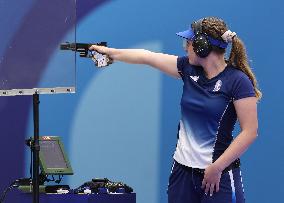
(53, 159)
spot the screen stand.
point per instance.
(36, 149)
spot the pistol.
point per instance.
(101, 60)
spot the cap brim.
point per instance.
(188, 34)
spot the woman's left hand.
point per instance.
(212, 176)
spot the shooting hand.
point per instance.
(100, 49)
(100, 55)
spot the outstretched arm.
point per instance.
(164, 62)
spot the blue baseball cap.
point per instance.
(187, 34)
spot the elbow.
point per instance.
(253, 133)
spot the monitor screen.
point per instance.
(52, 154)
(53, 159)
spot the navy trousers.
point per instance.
(185, 187)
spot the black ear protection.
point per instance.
(200, 42)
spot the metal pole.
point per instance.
(36, 149)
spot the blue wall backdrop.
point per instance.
(122, 121)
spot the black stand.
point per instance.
(36, 149)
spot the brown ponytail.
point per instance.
(216, 27)
(238, 58)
